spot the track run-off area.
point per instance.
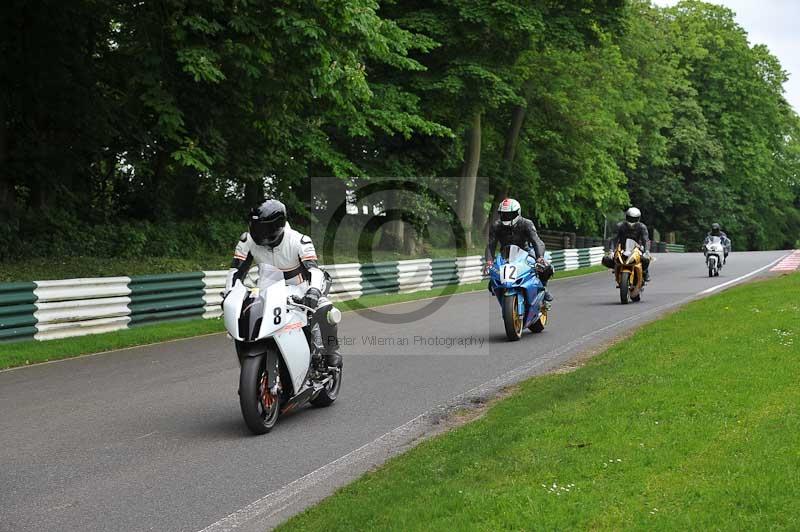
(151, 438)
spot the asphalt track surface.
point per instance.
(151, 438)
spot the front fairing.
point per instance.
(714, 246)
(518, 276)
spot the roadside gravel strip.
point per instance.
(152, 439)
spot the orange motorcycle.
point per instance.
(629, 272)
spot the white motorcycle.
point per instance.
(714, 252)
(279, 351)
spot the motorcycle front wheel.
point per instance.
(511, 318)
(330, 392)
(624, 281)
(260, 408)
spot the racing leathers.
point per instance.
(523, 235)
(296, 256)
(639, 234)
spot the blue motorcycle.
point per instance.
(513, 281)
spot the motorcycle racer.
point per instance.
(632, 228)
(512, 229)
(271, 240)
(716, 230)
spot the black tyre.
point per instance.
(511, 318)
(260, 409)
(329, 394)
(624, 281)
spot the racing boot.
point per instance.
(647, 276)
(548, 299)
(330, 342)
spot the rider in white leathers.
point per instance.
(716, 230)
(271, 240)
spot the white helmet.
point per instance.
(633, 215)
(509, 211)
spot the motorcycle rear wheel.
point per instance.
(624, 290)
(258, 416)
(511, 318)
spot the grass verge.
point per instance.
(28, 352)
(691, 423)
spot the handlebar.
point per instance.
(297, 301)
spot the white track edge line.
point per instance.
(742, 278)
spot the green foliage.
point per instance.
(120, 115)
(731, 142)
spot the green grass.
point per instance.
(693, 423)
(31, 352)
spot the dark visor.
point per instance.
(267, 231)
(508, 216)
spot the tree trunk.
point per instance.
(253, 192)
(393, 230)
(469, 178)
(501, 187)
(479, 213)
(6, 188)
(410, 240)
(392, 235)
(510, 148)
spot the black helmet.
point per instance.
(267, 222)
(715, 229)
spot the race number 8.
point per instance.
(277, 313)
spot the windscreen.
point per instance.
(512, 253)
(268, 275)
(630, 245)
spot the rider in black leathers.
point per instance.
(512, 228)
(632, 228)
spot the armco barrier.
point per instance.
(167, 297)
(76, 307)
(46, 310)
(17, 320)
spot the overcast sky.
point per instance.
(774, 23)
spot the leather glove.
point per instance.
(311, 298)
(541, 264)
(488, 266)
